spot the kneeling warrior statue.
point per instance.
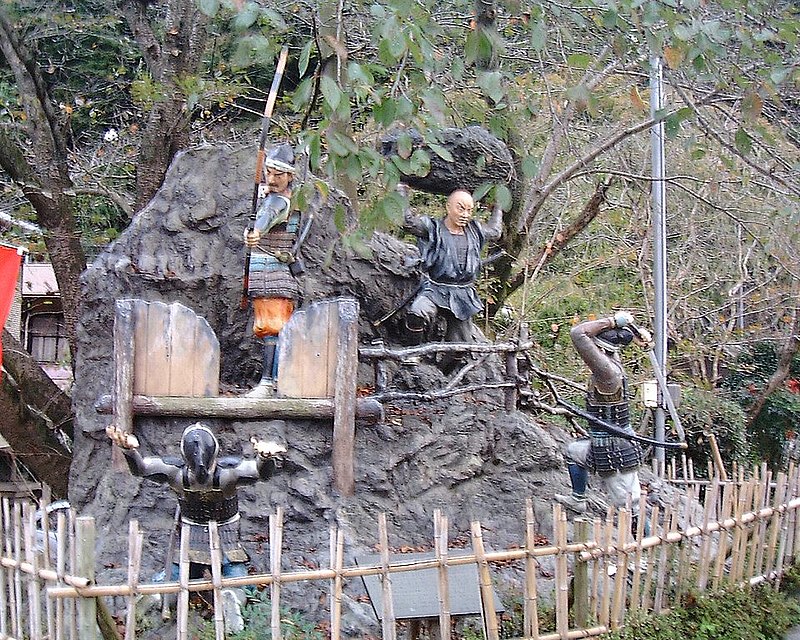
(206, 488)
(613, 458)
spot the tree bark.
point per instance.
(170, 59)
(37, 416)
(785, 357)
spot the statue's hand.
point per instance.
(622, 319)
(252, 237)
(643, 337)
(122, 439)
(267, 449)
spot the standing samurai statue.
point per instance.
(614, 459)
(450, 253)
(206, 486)
(274, 241)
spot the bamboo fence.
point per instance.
(741, 531)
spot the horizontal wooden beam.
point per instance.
(241, 408)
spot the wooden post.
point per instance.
(719, 466)
(183, 578)
(17, 611)
(344, 398)
(621, 560)
(580, 582)
(388, 626)
(87, 607)
(122, 391)
(34, 600)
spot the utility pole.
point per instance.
(659, 245)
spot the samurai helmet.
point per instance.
(614, 339)
(280, 158)
(199, 448)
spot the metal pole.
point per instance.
(659, 244)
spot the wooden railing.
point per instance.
(737, 532)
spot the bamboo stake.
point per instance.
(594, 598)
(761, 498)
(5, 580)
(717, 457)
(621, 575)
(43, 505)
(34, 601)
(275, 549)
(683, 554)
(17, 626)
(73, 568)
(788, 522)
(605, 595)
(722, 543)
(135, 541)
(651, 563)
(637, 558)
(705, 546)
(580, 583)
(388, 623)
(216, 578)
(440, 527)
(663, 562)
(87, 606)
(485, 580)
(531, 611)
(740, 534)
(337, 561)
(183, 579)
(772, 557)
(61, 569)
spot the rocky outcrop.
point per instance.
(465, 455)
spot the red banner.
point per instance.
(9, 275)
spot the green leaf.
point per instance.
(579, 60)
(420, 163)
(246, 17)
(491, 83)
(442, 152)
(405, 145)
(482, 190)
(743, 141)
(394, 208)
(530, 166)
(305, 56)
(209, 7)
(503, 197)
(340, 144)
(384, 112)
(331, 92)
(302, 95)
(539, 36)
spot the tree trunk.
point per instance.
(785, 357)
(37, 417)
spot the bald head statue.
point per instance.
(459, 208)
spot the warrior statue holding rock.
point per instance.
(615, 459)
(274, 264)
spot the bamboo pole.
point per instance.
(705, 545)
(647, 598)
(580, 583)
(275, 552)
(722, 543)
(594, 598)
(636, 578)
(49, 608)
(388, 622)
(34, 601)
(531, 608)
(608, 549)
(485, 580)
(5, 580)
(761, 498)
(717, 457)
(337, 561)
(663, 562)
(216, 579)
(621, 575)
(17, 613)
(87, 606)
(440, 528)
(73, 567)
(684, 554)
(182, 614)
(135, 541)
(772, 556)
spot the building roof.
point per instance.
(38, 279)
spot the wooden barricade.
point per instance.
(166, 363)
